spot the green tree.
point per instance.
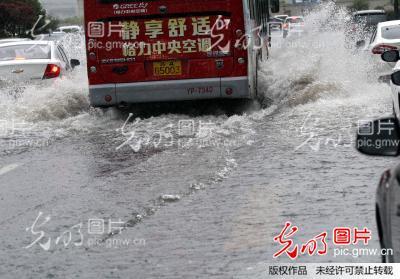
(19, 16)
(359, 5)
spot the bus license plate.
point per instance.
(167, 68)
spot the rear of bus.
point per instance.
(171, 50)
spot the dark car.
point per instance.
(369, 18)
(381, 137)
(276, 24)
(362, 25)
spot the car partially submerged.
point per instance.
(385, 37)
(293, 25)
(33, 62)
(393, 56)
(381, 137)
(362, 24)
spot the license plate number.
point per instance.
(167, 68)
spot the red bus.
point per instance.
(172, 50)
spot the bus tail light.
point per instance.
(228, 91)
(241, 60)
(52, 71)
(379, 49)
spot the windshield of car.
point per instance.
(391, 32)
(24, 52)
(370, 19)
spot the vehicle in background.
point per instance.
(13, 40)
(275, 24)
(33, 61)
(393, 56)
(53, 36)
(293, 25)
(69, 29)
(281, 17)
(368, 19)
(362, 24)
(385, 37)
(306, 1)
(166, 52)
(381, 137)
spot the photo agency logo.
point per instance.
(104, 233)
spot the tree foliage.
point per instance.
(19, 16)
(72, 21)
(359, 5)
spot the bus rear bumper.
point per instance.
(172, 90)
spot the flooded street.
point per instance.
(198, 195)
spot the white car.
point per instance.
(386, 36)
(33, 61)
(293, 25)
(393, 56)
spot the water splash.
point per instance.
(317, 64)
